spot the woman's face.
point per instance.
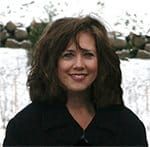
(77, 67)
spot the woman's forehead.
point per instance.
(83, 42)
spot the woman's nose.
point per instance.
(79, 63)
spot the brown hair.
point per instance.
(43, 81)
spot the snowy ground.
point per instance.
(14, 95)
(136, 86)
(13, 92)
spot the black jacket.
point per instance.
(43, 125)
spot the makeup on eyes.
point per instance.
(85, 52)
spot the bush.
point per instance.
(35, 32)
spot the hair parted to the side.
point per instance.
(42, 80)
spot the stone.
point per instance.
(1, 27)
(143, 54)
(10, 26)
(118, 43)
(21, 34)
(147, 39)
(138, 41)
(3, 35)
(147, 47)
(115, 34)
(123, 54)
(26, 44)
(111, 35)
(12, 43)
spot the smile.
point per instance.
(78, 77)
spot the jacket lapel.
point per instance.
(54, 116)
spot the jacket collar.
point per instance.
(108, 117)
(54, 116)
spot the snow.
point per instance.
(24, 11)
(136, 86)
(14, 94)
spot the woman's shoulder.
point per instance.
(122, 115)
(132, 128)
(31, 110)
(120, 110)
(131, 121)
(31, 121)
(121, 119)
(128, 117)
(35, 110)
(27, 115)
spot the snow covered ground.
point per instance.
(136, 86)
(14, 94)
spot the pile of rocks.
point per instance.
(14, 36)
(137, 46)
(133, 45)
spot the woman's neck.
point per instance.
(79, 100)
(80, 107)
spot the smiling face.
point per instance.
(77, 67)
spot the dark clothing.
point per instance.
(48, 125)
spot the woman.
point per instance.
(75, 90)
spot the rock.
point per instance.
(147, 39)
(111, 35)
(1, 27)
(3, 35)
(143, 54)
(115, 34)
(12, 43)
(10, 27)
(21, 34)
(118, 43)
(138, 41)
(147, 47)
(123, 53)
(26, 44)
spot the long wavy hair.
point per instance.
(43, 82)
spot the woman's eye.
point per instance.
(89, 55)
(67, 55)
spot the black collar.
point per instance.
(53, 116)
(57, 115)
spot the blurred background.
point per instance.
(22, 22)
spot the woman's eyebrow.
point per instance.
(69, 50)
(81, 49)
(87, 50)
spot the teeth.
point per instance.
(78, 77)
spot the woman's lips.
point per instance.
(78, 77)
